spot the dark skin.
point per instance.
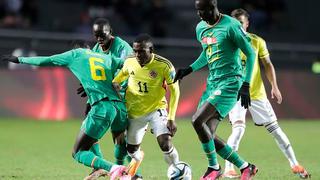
(103, 35)
(143, 52)
(205, 121)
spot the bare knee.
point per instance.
(164, 142)
(132, 148)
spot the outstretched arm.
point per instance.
(195, 66)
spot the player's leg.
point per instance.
(219, 104)
(205, 134)
(93, 128)
(237, 119)
(158, 122)
(224, 150)
(135, 133)
(263, 114)
(118, 129)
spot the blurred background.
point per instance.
(46, 27)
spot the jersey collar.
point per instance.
(220, 17)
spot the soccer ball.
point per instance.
(179, 171)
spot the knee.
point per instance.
(165, 146)
(196, 122)
(132, 148)
(118, 138)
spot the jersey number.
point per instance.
(98, 72)
(212, 53)
(144, 88)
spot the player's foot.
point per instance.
(212, 174)
(249, 172)
(299, 170)
(118, 171)
(137, 177)
(231, 174)
(134, 165)
(96, 173)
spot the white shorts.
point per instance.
(260, 110)
(138, 127)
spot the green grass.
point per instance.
(35, 150)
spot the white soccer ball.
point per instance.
(179, 171)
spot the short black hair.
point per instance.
(102, 21)
(143, 38)
(239, 12)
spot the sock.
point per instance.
(234, 141)
(171, 156)
(120, 153)
(283, 142)
(136, 155)
(96, 150)
(228, 154)
(89, 159)
(210, 151)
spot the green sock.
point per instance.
(89, 159)
(228, 154)
(120, 152)
(210, 151)
(96, 150)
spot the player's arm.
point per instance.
(270, 72)
(240, 38)
(62, 59)
(174, 98)
(121, 76)
(195, 66)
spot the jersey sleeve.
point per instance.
(263, 50)
(62, 59)
(123, 74)
(242, 40)
(200, 62)
(169, 75)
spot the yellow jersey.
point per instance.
(257, 89)
(147, 85)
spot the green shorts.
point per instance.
(101, 117)
(222, 94)
(120, 123)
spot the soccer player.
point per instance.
(260, 110)
(95, 71)
(148, 76)
(221, 37)
(107, 43)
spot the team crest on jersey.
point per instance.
(153, 74)
(209, 40)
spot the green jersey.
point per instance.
(119, 48)
(221, 45)
(95, 71)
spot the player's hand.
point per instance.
(9, 58)
(171, 125)
(275, 92)
(116, 86)
(81, 91)
(88, 108)
(182, 73)
(244, 94)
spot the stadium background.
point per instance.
(44, 27)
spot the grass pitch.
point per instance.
(38, 150)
